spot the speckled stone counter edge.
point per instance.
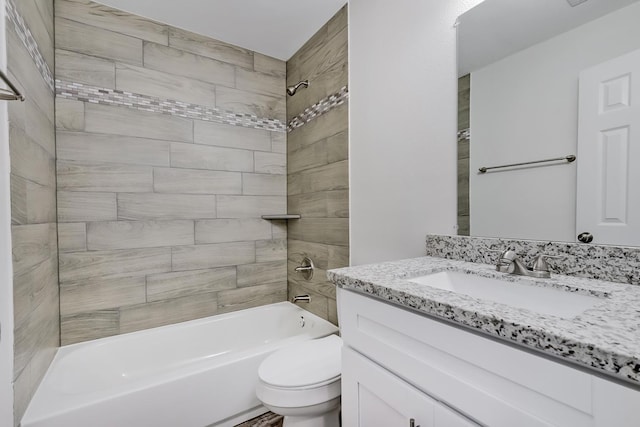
(612, 263)
(605, 338)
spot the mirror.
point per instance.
(519, 69)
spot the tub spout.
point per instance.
(301, 298)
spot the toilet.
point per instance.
(302, 383)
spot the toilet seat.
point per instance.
(304, 374)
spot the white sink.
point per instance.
(540, 299)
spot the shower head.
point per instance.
(291, 90)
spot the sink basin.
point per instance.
(540, 299)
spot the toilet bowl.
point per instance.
(302, 383)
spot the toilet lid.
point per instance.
(299, 365)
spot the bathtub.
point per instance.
(192, 374)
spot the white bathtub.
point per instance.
(191, 374)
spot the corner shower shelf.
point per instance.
(281, 216)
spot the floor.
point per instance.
(265, 420)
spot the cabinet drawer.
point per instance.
(490, 382)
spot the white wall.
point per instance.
(525, 107)
(402, 122)
(6, 271)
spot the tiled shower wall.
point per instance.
(29, 35)
(170, 147)
(317, 175)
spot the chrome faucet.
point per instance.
(510, 263)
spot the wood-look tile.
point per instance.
(88, 326)
(182, 63)
(29, 160)
(241, 101)
(31, 245)
(89, 40)
(39, 27)
(18, 200)
(307, 157)
(320, 128)
(252, 296)
(108, 18)
(272, 163)
(262, 273)
(257, 82)
(332, 308)
(69, 114)
(254, 184)
(338, 147)
(318, 283)
(192, 181)
(38, 333)
(98, 294)
(279, 229)
(41, 203)
(223, 135)
(112, 264)
(148, 206)
(327, 71)
(338, 22)
(104, 177)
(72, 237)
(271, 250)
(334, 176)
(250, 206)
(321, 204)
(184, 283)
(338, 256)
(201, 257)
(31, 288)
(309, 49)
(318, 304)
(25, 75)
(268, 65)
(232, 230)
(332, 231)
(165, 86)
(195, 156)
(166, 312)
(297, 250)
(127, 122)
(278, 142)
(80, 206)
(80, 68)
(89, 147)
(205, 46)
(39, 127)
(139, 234)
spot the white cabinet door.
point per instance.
(608, 192)
(374, 397)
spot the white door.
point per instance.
(608, 189)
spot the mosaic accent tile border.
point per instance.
(319, 108)
(612, 263)
(464, 135)
(98, 95)
(30, 43)
(265, 420)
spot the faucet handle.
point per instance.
(540, 262)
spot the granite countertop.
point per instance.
(605, 337)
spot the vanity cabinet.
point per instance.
(399, 365)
